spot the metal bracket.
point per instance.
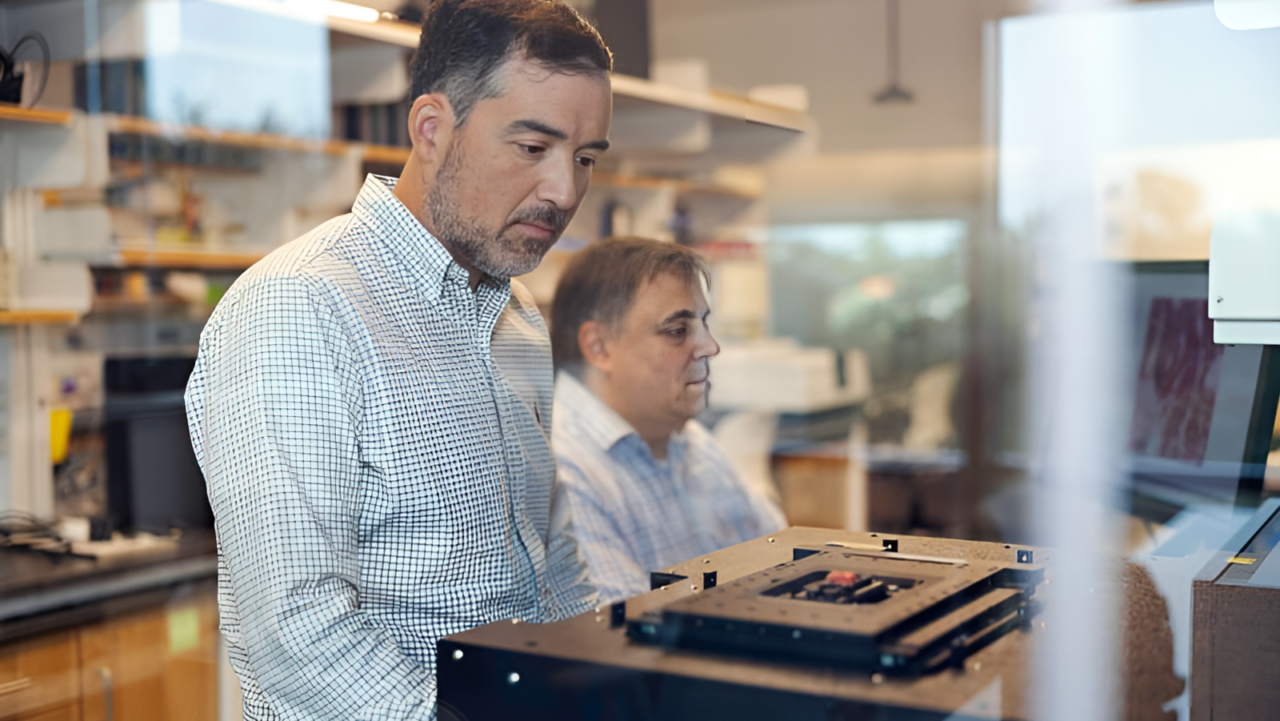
(658, 579)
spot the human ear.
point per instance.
(593, 342)
(431, 127)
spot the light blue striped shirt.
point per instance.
(634, 514)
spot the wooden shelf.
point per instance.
(392, 32)
(27, 317)
(386, 154)
(162, 304)
(266, 141)
(635, 91)
(683, 187)
(184, 258)
(34, 115)
(628, 88)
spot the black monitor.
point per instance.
(153, 480)
(1201, 422)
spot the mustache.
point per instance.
(702, 373)
(546, 215)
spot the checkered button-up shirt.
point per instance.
(634, 514)
(374, 436)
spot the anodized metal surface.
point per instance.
(585, 667)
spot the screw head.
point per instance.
(457, 655)
(513, 678)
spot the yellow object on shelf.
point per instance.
(59, 433)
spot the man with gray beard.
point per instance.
(372, 403)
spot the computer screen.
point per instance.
(153, 480)
(1197, 405)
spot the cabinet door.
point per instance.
(38, 675)
(191, 670)
(122, 668)
(155, 666)
(63, 713)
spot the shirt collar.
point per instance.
(421, 256)
(601, 424)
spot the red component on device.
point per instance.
(842, 578)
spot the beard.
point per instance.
(499, 253)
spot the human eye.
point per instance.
(530, 149)
(586, 161)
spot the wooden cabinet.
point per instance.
(39, 678)
(154, 666)
(160, 664)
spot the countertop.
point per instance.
(40, 593)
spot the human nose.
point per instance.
(559, 185)
(705, 344)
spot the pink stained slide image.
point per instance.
(1177, 381)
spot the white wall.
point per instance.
(837, 48)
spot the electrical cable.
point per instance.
(9, 63)
(48, 59)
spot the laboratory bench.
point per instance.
(128, 637)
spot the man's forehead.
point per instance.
(565, 101)
(670, 293)
(519, 69)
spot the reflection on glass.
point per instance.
(896, 291)
(259, 67)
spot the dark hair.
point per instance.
(600, 284)
(465, 43)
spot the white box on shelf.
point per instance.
(74, 232)
(780, 376)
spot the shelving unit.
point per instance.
(263, 141)
(266, 141)
(385, 154)
(28, 317)
(682, 187)
(631, 93)
(714, 126)
(188, 259)
(34, 115)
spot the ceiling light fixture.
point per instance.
(893, 92)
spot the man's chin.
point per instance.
(514, 270)
(511, 265)
(695, 402)
(526, 261)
